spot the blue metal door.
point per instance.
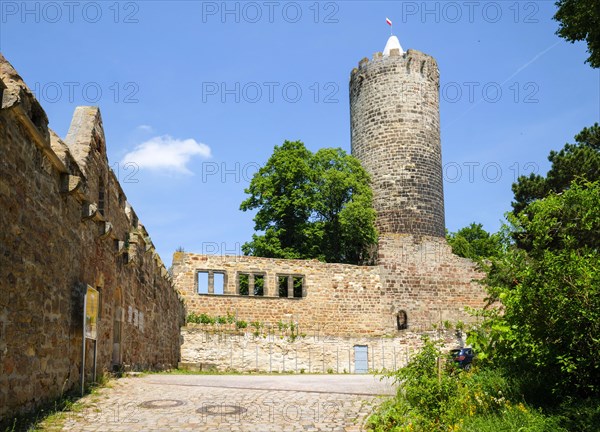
(361, 359)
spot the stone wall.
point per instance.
(417, 276)
(395, 132)
(66, 225)
(422, 276)
(273, 350)
(345, 299)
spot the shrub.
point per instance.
(241, 324)
(205, 319)
(434, 396)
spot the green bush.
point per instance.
(200, 318)
(241, 324)
(578, 414)
(548, 284)
(434, 396)
(193, 318)
(205, 319)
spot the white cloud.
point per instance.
(167, 153)
(145, 128)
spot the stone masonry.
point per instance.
(420, 282)
(395, 131)
(341, 298)
(224, 347)
(417, 282)
(65, 225)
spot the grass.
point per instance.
(513, 419)
(51, 415)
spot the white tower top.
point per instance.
(392, 43)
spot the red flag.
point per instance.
(388, 21)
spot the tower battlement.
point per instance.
(414, 62)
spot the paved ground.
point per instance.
(232, 403)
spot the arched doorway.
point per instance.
(401, 320)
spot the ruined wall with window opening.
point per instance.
(347, 299)
(418, 283)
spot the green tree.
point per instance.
(575, 161)
(343, 209)
(580, 20)
(311, 206)
(549, 327)
(474, 242)
(283, 192)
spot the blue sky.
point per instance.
(198, 93)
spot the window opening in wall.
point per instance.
(2, 88)
(243, 283)
(259, 285)
(36, 116)
(219, 283)
(251, 284)
(202, 282)
(101, 196)
(298, 285)
(402, 320)
(211, 281)
(282, 283)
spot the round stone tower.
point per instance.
(395, 132)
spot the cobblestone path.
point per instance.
(231, 403)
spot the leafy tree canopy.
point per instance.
(550, 294)
(575, 161)
(474, 242)
(580, 21)
(311, 205)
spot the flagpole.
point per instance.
(389, 22)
